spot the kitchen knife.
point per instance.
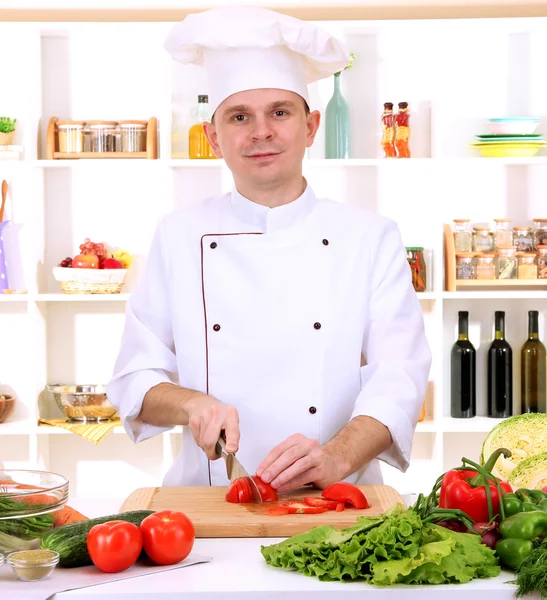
(235, 470)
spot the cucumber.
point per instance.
(70, 541)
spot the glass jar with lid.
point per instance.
(465, 265)
(503, 234)
(102, 136)
(416, 261)
(527, 267)
(542, 262)
(507, 262)
(133, 136)
(70, 136)
(540, 232)
(523, 239)
(486, 265)
(483, 239)
(463, 240)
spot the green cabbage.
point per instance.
(530, 473)
(524, 435)
(392, 548)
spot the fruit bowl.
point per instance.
(28, 501)
(90, 281)
(83, 402)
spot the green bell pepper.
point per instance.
(523, 500)
(512, 552)
(519, 532)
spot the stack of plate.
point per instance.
(510, 137)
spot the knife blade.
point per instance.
(235, 470)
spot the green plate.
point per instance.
(509, 136)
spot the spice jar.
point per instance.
(523, 239)
(463, 240)
(542, 262)
(465, 266)
(503, 234)
(133, 136)
(483, 239)
(102, 136)
(33, 565)
(415, 257)
(486, 266)
(507, 262)
(70, 136)
(540, 233)
(527, 267)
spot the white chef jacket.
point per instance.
(269, 310)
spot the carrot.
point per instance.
(67, 515)
(13, 486)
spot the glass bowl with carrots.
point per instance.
(31, 504)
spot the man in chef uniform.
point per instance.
(257, 306)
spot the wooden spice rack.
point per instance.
(52, 145)
(452, 284)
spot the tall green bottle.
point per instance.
(533, 393)
(337, 124)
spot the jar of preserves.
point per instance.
(542, 262)
(483, 239)
(527, 267)
(415, 257)
(486, 265)
(463, 240)
(102, 136)
(507, 262)
(503, 234)
(71, 136)
(540, 233)
(133, 136)
(523, 239)
(465, 265)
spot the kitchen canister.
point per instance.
(3, 265)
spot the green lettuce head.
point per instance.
(530, 473)
(524, 435)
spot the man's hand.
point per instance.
(298, 461)
(207, 417)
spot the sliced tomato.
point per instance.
(347, 493)
(277, 511)
(239, 492)
(321, 502)
(340, 506)
(267, 492)
(297, 507)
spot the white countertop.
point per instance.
(238, 570)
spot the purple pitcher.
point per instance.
(3, 266)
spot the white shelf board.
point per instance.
(14, 297)
(473, 425)
(496, 295)
(81, 297)
(16, 427)
(427, 295)
(426, 426)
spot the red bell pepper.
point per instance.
(466, 490)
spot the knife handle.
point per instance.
(220, 447)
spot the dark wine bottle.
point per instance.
(500, 372)
(463, 372)
(533, 369)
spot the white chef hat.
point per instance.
(246, 48)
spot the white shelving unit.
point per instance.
(455, 74)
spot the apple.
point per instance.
(112, 263)
(85, 261)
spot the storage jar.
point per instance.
(483, 239)
(133, 136)
(507, 262)
(102, 136)
(542, 262)
(486, 265)
(503, 234)
(540, 233)
(463, 241)
(527, 267)
(523, 239)
(70, 136)
(465, 265)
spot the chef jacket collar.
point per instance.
(268, 220)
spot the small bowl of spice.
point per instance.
(33, 565)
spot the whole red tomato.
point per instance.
(85, 261)
(114, 546)
(168, 537)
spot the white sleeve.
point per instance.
(147, 353)
(395, 348)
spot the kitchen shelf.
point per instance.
(81, 297)
(473, 425)
(14, 297)
(496, 295)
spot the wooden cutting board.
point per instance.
(213, 517)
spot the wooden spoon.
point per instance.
(4, 195)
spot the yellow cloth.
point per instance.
(92, 432)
